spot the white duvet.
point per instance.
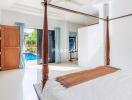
(115, 86)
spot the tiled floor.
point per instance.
(18, 84)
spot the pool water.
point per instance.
(30, 56)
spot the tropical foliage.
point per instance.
(31, 41)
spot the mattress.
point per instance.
(115, 86)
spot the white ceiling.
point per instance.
(34, 7)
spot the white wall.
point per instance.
(10, 17)
(0, 16)
(90, 46)
(121, 33)
(92, 42)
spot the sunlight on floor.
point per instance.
(18, 84)
(63, 66)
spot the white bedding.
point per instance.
(115, 86)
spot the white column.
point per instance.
(0, 16)
(103, 13)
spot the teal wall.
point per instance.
(21, 26)
(57, 45)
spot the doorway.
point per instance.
(33, 46)
(51, 46)
(73, 49)
(51, 41)
(30, 46)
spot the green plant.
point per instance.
(31, 41)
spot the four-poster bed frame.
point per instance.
(45, 70)
(45, 36)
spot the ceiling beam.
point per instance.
(73, 11)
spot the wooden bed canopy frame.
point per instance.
(45, 70)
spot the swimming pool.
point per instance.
(30, 56)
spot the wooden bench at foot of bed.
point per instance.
(76, 78)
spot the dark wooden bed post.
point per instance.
(107, 44)
(45, 46)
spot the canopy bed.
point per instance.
(45, 37)
(106, 86)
